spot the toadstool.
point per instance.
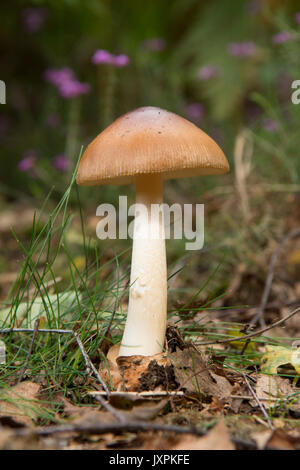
(145, 147)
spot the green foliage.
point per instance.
(247, 90)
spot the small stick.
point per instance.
(35, 331)
(130, 426)
(261, 406)
(88, 363)
(252, 335)
(146, 394)
(248, 397)
(102, 428)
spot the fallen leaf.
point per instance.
(193, 374)
(276, 356)
(143, 412)
(27, 312)
(261, 438)
(216, 439)
(251, 346)
(270, 389)
(281, 440)
(20, 403)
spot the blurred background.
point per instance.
(71, 67)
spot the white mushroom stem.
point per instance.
(147, 310)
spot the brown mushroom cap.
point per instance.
(146, 141)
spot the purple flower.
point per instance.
(270, 125)
(104, 57)
(281, 37)
(33, 18)
(207, 72)
(121, 60)
(65, 81)
(194, 111)
(154, 44)
(242, 49)
(59, 76)
(61, 162)
(297, 17)
(73, 88)
(28, 162)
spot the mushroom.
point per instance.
(145, 147)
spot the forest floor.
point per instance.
(229, 377)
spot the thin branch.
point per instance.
(88, 363)
(251, 335)
(131, 426)
(261, 406)
(146, 394)
(102, 428)
(35, 331)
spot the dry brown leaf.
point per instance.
(81, 414)
(271, 388)
(143, 412)
(281, 440)
(20, 403)
(194, 375)
(216, 439)
(261, 438)
(278, 439)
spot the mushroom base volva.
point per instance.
(138, 373)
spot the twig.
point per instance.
(131, 426)
(35, 331)
(261, 406)
(146, 394)
(248, 397)
(88, 363)
(102, 428)
(251, 335)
